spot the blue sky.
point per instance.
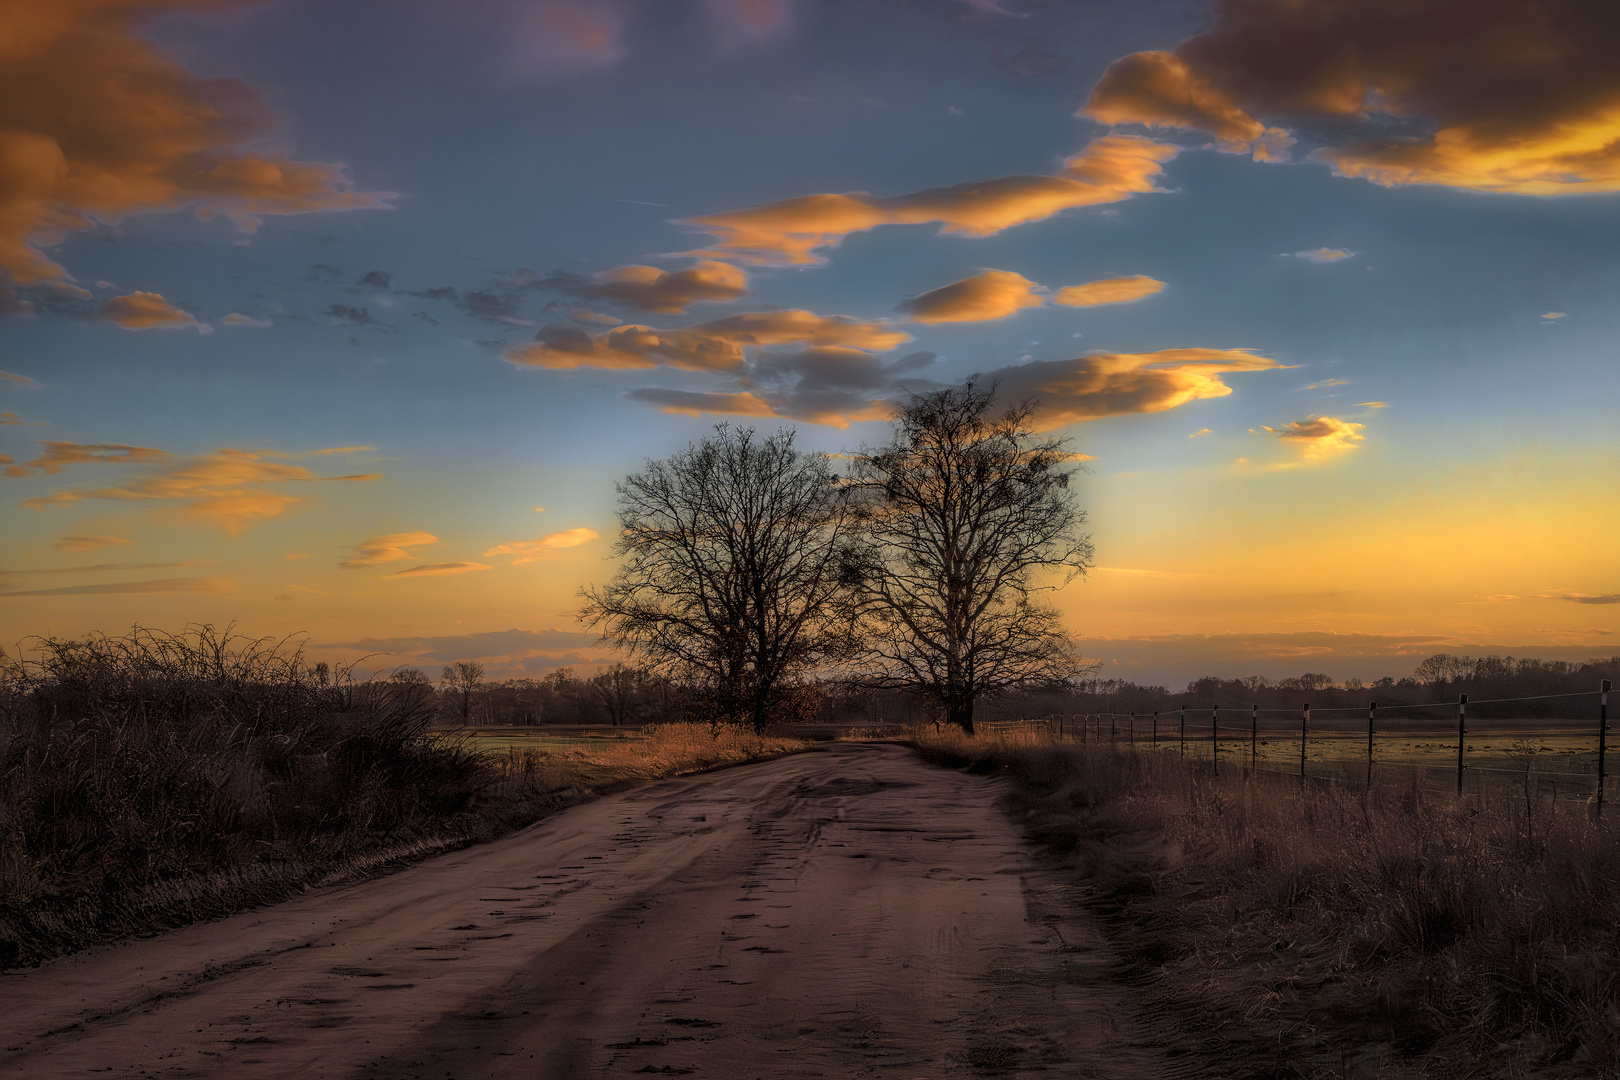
(1387, 429)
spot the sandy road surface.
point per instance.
(849, 912)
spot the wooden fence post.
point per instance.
(1372, 711)
(1462, 732)
(1184, 731)
(1215, 737)
(1254, 738)
(1304, 733)
(1155, 729)
(1603, 738)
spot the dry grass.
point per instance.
(667, 750)
(1326, 931)
(153, 780)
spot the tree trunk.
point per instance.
(960, 712)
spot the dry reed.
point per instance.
(1316, 931)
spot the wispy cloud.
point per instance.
(797, 231)
(993, 294)
(146, 311)
(1326, 255)
(1118, 384)
(120, 588)
(230, 488)
(59, 455)
(394, 547)
(668, 292)
(719, 345)
(1120, 290)
(997, 294)
(440, 569)
(1321, 437)
(528, 551)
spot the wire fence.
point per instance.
(1471, 747)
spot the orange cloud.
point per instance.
(670, 293)
(88, 543)
(1120, 290)
(97, 124)
(692, 403)
(386, 549)
(1321, 437)
(145, 311)
(235, 319)
(795, 231)
(710, 346)
(528, 551)
(1116, 384)
(1513, 96)
(994, 294)
(440, 569)
(59, 455)
(1158, 89)
(225, 487)
(20, 380)
(1325, 255)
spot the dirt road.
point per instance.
(849, 912)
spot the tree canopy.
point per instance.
(730, 555)
(966, 514)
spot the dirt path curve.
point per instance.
(849, 912)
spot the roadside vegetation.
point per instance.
(152, 780)
(1321, 930)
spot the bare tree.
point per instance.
(619, 687)
(462, 677)
(731, 556)
(962, 510)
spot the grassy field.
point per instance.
(1557, 759)
(1328, 930)
(543, 739)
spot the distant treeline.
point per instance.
(626, 696)
(1437, 680)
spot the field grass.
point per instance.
(1324, 930)
(155, 780)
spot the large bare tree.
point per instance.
(966, 515)
(731, 554)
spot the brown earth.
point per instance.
(848, 912)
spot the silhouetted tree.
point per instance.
(619, 688)
(961, 510)
(731, 556)
(462, 677)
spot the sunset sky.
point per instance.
(343, 319)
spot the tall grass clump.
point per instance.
(1315, 931)
(151, 779)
